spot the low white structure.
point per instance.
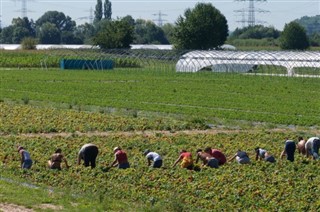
(243, 61)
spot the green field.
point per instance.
(165, 112)
(276, 100)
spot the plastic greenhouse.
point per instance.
(245, 61)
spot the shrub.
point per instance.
(29, 43)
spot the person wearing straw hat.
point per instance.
(120, 159)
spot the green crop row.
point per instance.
(283, 186)
(279, 100)
(17, 119)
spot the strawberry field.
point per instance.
(163, 112)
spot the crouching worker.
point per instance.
(155, 157)
(262, 154)
(312, 147)
(216, 154)
(120, 159)
(88, 153)
(26, 161)
(56, 160)
(289, 150)
(186, 158)
(207, 159)
(241, 157)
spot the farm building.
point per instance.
(244, 61)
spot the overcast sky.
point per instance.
(271, 13)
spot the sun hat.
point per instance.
(116, 148)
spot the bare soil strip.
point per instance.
(154, 133)
(6, 207)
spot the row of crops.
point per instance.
(259, 186)
(277, 100)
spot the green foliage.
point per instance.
(255, 32)
(315, 39)
(146, 32)
(59, 19)
(203, 27)
(168, 30)
(107, 9)
(310, 24)
(294, 37)
(277, 100)
(264, 43)
(48, 33)
(114, 34)
(29, 43)
(98, 11)
(284, 185)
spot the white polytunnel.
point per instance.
(244, 61)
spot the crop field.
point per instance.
(140, 109)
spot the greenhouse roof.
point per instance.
(196, 60)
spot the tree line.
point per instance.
(202, 27)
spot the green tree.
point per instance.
(85, 32)
(203, 27)
(19, 33)
(48, 33)
(255, 32)
(315, 39)
(147, 32)
(20, 28)
(168, 30)
(114, 34)
(7, 34)
(107, 10)
(294, 37)
(98, 12)
(59, 19)
(311, 24)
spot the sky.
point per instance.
(274, 13)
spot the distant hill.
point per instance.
(311, 24)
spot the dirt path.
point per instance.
(6, 207)
(153, 133)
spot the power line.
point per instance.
(160, 20)
(251, 12)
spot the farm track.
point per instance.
(152, 133)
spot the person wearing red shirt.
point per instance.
(120, 159)
(186, 158)
(216, 154)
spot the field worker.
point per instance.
(216, 154)
(289, 149)
(186, 158)
(301, 146)
(153, 156)
(241, 157)
(263, 154)
(26, 161)
(312, 147)
(88, 153)
(207, 159)
(56, 160)
(120, 159)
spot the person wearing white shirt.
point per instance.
(312, 147)
(153, 156)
